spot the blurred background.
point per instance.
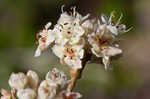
(130, 78)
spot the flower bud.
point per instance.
(18, 81)
(33, 79)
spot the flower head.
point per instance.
(102, 40)
(75, 36)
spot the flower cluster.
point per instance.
(74, 40)
(29, 87)
(75, 35)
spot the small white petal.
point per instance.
(50, 38)
(48, 25)
(106, 61)
(96, 53)
(87, 24)
(104, 19)
(79, 31)
(37, 52)
(112, 29)
(112, 51)
(58, 50)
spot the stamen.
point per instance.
(111, 16)
(62, 8)
(118, 22)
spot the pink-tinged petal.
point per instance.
(71, 95)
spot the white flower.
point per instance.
(56, 77)
(73, 56)
(45, 38)
(33, 79)
(111, 51)
(46, 90)
(70, 55)
(102, 39)
(101, 43)
(26, 94)
(70, 28)
(18, 81)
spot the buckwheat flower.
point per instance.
(56, 78)
(71, 29)
(101, 47)
(70, 55)
(26, 94)
(69, 33)
(46, 90)
(18, 81)
(74, 56)
(45, 38)
(33, 79)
